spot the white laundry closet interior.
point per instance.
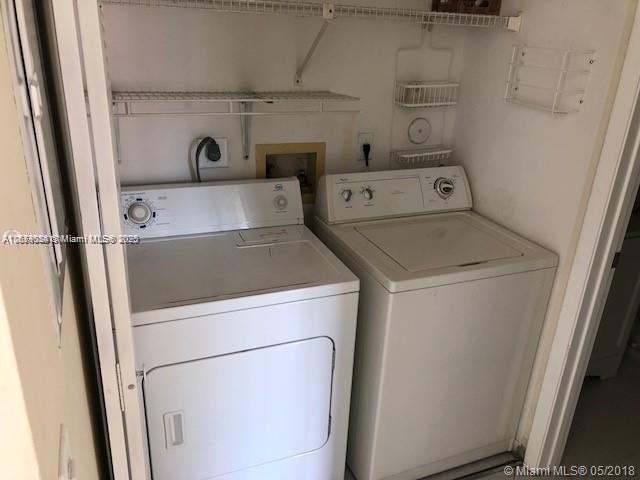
(180, 70)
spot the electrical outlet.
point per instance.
(205, 162)
(364, 137)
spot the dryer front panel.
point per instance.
(227, 413)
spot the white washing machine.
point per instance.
(244, 330)
(451, 308)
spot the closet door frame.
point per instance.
(607, 214)
(79, 35)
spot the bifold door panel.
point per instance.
(222, 414)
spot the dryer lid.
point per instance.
(180, 271)
(440, 242)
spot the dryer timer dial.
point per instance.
(139, 213)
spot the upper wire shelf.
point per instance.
(330, 10)
(230, 103)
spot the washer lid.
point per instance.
(430, 243)
(424, 251)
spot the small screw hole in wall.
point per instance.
(131, 386)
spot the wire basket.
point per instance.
(429, 156)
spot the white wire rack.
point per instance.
(330, 10)
(231, 103)
(426, 94)
(549, 79)
(429, 156)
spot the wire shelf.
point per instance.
(422, 94)
(432, 156)
(330, 10)
(233, 103)
(550, 79)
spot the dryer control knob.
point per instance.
(280, 202)
(367, 193)
(444, 187)
(139, 212)
(346, 194)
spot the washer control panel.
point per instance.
(368, 195)
(183, 209)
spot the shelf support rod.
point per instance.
(245, 123)
(311, 51)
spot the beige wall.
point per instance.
(191, 49)
(529, 170)
(41, 386)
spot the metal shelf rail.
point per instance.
(233, 103)
(329, 10)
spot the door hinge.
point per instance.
(616, 260)
(36, 96)
(120, 390)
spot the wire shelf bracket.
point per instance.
(314, 45)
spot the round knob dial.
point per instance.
(444, 187)
(280, 202)
(367, 193)
(139, 212)
(346, 194)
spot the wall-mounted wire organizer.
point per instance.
(127, 103)
(426, 94)
(551, 79)
(424, 157)
(329, 10)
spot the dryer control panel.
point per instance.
(369, 195)
(184, 209)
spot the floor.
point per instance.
(606, 426)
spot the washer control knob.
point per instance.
(444, 187)
(367, 193)
(280, 202)
(346, 194)
(139, 212)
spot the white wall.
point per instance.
(41, 386)
(169, 49)
(531, 171)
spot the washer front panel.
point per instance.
(370, 195)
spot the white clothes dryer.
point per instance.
(244, 326)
